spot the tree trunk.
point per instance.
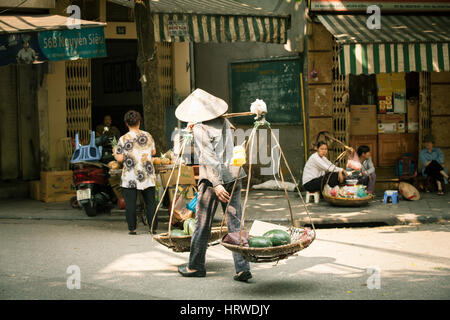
(153, 111)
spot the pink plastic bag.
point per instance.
(353, 162)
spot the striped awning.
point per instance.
(214, 21)
(403, 44)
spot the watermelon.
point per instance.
(177, 233)
(259, 242)
(189, 226)
(278, 237)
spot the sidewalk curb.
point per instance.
(329, 223)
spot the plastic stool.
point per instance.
(393, 194)
(315, 194)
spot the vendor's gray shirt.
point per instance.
(214, 148)
(368, 167)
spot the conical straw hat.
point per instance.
(200, 106)
(408, 191)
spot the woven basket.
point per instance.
(301, 238)
(183, 243)
(343, 202)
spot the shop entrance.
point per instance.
(384, 114)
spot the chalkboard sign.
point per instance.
(277, 82)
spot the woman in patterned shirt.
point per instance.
(135, 150)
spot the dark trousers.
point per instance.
(317, 184)
(433, 170)
(130, 197)
(207, 203)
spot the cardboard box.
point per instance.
(57, 186)
(187, 191)
(399, 102)
(186, 177)
(35, 190)
(391, 123)
(363, 120)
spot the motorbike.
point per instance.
(91, 175)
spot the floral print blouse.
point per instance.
(138, 171)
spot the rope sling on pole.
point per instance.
(300, 237)
(178, 243)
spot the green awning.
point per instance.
(403, 44)
(214, 21)
(219, 28)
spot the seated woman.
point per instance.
(317, 167)
(368, 176)
(432, 160)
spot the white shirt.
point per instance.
(316, 167)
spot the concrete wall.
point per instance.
(211, 73)
(55, 86)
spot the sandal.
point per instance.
(440, 193)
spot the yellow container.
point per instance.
(238, 156)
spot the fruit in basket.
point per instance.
(169, 155)
(114, 165)
(165, 161)
(278, 237)
(156, 161)
(177, 233)
(189, 226)
(259, 242)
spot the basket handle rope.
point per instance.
(186, 140)
(232, 190)
(293, 179)
(267, 124)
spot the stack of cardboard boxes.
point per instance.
(389, 129)
(395, 113)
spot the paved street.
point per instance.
(414, 263)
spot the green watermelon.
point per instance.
(189, 226)
(177, 233)
(278, 237)
(259, 242)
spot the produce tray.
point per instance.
(344, 202)
(301, 238)
(183, 243)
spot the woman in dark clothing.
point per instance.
(135, 150)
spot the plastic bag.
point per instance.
(353, 162)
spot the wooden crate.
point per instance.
(320, 100)
(369, 140)
(322, 62)
(57, 186)
(440, 97)
(439, 129)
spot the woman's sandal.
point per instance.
(440, 193)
